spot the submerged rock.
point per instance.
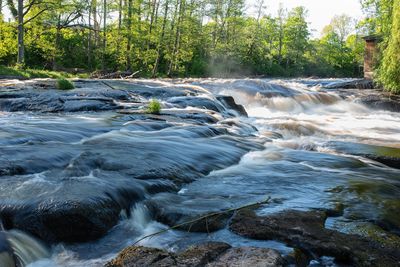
(172, 209)
(305, 230)
(213, 254)
(197, 102)
(389, 156)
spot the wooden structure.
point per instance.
(370, 55)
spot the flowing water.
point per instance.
(304, 156)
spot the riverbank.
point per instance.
(89, 171)
(25, 74)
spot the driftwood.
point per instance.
(205, 217)
(115, 75)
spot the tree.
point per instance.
(341, 25)
(296, 36)
(24, 13)
(175, 38)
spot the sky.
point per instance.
(320, 12)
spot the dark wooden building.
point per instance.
(370, 55)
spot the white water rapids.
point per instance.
(300, 167)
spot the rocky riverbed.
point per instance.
(88, 172)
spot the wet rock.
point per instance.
(389, 156)
(238, 127)
(196, 117)
(211, 254)
(155, 89)
(63, 192)
(27, 160)
(305, 230)
(62, 221)
(381, 102)
(72, 209)
(197, 102)
(229, 103)
(193, 116)
(173, 210)
(93, 97)
(353, 84)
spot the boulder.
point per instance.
(213, 254)
(229, 103)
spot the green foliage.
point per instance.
(154, 107)
(64, 84)
(175, 38)
(383, 20)
(389, 72)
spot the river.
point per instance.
(304, 145)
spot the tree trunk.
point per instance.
(21, 48)
(104, 34)
(89, 45)
(175, 50)
(95, 23)
(57, 41)
(155, 68)
(129, 33)
(119, 17)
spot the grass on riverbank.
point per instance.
(34, 73)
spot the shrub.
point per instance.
(154, 107)
(64, 84)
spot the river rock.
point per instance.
(211, 254)
(305, 230)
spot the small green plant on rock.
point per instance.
(154, 107)
(64, 84)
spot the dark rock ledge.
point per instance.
(305, 231)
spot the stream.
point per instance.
(88, 174)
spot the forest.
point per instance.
(192, 38)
